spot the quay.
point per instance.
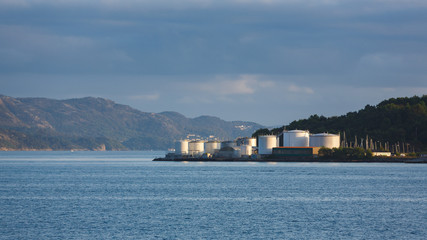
(296, 159)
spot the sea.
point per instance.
(125, 195)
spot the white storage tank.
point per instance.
(325, 140)
(246, 150)
(228, 144)
(229, 152)
(266, 144)
(181, 147)
(211, 146)
(296, 138)
(250, 142)
(196, 148)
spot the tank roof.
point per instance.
(226, 149)
(294, 147)
(324, 135)
(296, 130)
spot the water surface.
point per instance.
(124, 195)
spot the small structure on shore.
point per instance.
(382, 154)
(295, 151)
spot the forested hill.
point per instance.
(402, 120)
(101, 124)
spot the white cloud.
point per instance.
(243, 85)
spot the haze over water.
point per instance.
(98, 195)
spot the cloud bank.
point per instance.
(213, 57)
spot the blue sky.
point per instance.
(266, 61)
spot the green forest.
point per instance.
(396, 122)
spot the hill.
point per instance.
(396, 121)
(101, 124)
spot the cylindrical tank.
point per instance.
(296, 138)
(325, 140)
(196, 147)
(246, 150)
(181, 147)
(228, 144)
(237, 152)
(250, 142)
(211, 146)
(266, 144)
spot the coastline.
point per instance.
(372, 160)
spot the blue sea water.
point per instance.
(124, 195)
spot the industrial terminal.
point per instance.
(287, 146)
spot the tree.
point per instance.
(260, 132)
(369, 153)
(325, 152)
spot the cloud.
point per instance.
(113, 23)
(243, 85)
(32, 49)
(115, 5)
(41, 42)
(143, 5)
(13, 56)
(216, 56)
(195, 100)
(296, 89)
(381, 60)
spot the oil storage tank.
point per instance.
(325, 140)
(196, 148)
(250, 142)
(246, 150)
(266, 144)
(212, 146)
(181, 147)
(228, 144)
(296, 138)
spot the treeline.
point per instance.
(352, 153)
(345, 153)
(396, 121)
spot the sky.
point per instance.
(266, 61)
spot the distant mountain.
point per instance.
(101, 124)
(396, 121)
